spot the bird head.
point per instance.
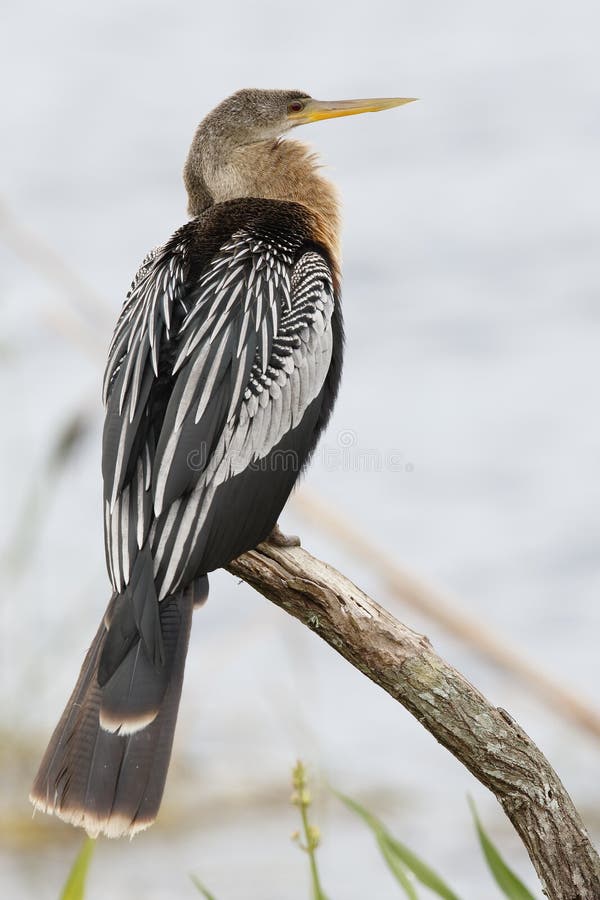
(252, 115)
(236, 151)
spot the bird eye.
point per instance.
(295, 106)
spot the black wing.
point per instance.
(208, 378)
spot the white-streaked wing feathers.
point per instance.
(273, 403)
(255, 326)
(158, 284)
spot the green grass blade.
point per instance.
(510, 885)
(373, 823)
(74, 888)
(396, 868)
(204, 891)
(426, 875)
(398, 852)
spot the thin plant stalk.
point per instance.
(302, 799)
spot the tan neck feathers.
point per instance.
(273, 170)
(289, 170)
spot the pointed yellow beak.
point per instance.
(315, 110)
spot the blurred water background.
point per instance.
(472, 223)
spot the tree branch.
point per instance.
(482, 737)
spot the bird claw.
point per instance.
(279, 539)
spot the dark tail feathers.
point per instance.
(112, 781)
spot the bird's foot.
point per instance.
(279, 539)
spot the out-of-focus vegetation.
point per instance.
(506, 880)
(74, 888)
(310, 838)
(408, 869)
(201, 888)
(66, 442)
(402, 862)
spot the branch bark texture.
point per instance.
(481, 736)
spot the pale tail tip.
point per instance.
(115, 826)
(124, 727)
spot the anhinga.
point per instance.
(222, 373)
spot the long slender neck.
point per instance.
(273, 170)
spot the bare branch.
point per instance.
(483, 738)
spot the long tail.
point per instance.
(111, 780)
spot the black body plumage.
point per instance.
(222, 374)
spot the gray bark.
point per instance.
(481, 736)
